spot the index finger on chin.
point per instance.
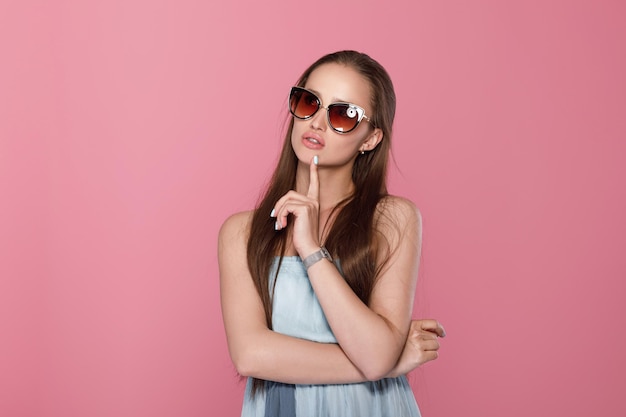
(314, 182)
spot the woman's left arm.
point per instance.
(373, 336)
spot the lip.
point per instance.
(312, 145)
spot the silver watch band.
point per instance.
(316, 256)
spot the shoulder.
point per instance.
(398, 225)
(236, 227)
(398, 211)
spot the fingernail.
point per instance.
(273, 213)
(276, 225)
(315, 159)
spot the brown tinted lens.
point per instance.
(303, 104)
(343, 117)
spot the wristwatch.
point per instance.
(316, 256)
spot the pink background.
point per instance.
(129, 130)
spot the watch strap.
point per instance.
(316, 257)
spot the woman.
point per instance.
(317, 283)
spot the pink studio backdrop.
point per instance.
(130, 129)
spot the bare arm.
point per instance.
(256, 350)
(421, 346)
(372, 336)
(377, 339)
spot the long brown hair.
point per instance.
(353, 236)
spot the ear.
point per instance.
(372, 140)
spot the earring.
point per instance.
(362, 152)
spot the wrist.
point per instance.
(316, 256)
(308, 251)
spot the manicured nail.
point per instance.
(315, 159)
(276, 225)
(273, 213)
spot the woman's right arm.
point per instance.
(259, 352)
(256, 350)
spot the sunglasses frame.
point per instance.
(359, 110)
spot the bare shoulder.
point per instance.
(398, 212)
(398, 228)
(235, 228)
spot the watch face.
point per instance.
(325, 253)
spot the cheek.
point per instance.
(342, 149)
(298, 128)
(349, 143)
(347, 146)
(295, 135)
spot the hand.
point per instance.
(305, 211)
(421, 346)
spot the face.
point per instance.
(333, 83)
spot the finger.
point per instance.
(290, 206)
(428, 345)
(314, 182)
(431, 326)
(424, 335)
(430, 355)
(441, 332)
(427, 356)
(298, 207)
(279, 212)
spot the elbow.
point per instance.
(245, 372)
(377, 370)
(379, 364)
(250, 355)
(376, 376)
(250, 361)
(244, 364)
(242, 367)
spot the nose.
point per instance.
(318, 120)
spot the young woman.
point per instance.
(317, 283)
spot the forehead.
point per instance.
(335, 82)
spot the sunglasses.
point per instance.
(342, 117)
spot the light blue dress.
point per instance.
(297, 312)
